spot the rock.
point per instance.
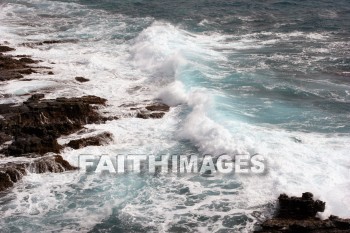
(155, 111)
(340, 223)
(12, 172)
(25, 144)
(147, 115)
(98, 140)
(297, 215)
(55, 164)
(50, 73)
(36, 97)
(82, 79)
(299, 208)
(88, 99)
(26, 71)
(10, 175)
(184, 190)
(48, 42)
(11, 68)
(27, 60)
(6, 75)
(4, 49)
(36, 124)
(4, 137)
(158, 107)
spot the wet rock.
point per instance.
(88, 99)
(147, 115)
(12, 68)
(4, 137)
(36, 97)
(26, 71)
(158, 107)
(82, 79)
(27, 60)
(48, 42)
(184, 190)
(8, 62)
(25, 144)
(299, 208)
(12, 172)
(97, 140)
(55, 164)
(110, 118)
(4, 49)
(297, 215)
(6, 75)
(155, 111)
(36, 124)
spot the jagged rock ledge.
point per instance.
(298, 215)
(35, 125)
(12, 172)
(31, 129)
(96, 140)
(154, 110)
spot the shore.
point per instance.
(30, 129)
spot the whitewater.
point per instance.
(236, 85)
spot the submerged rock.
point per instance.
(298, 215)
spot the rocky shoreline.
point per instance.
(298, 215)
(31, 129)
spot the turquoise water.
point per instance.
(268, 77)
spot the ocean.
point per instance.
(267, 77)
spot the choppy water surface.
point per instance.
(268, 77)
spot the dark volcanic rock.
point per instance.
(36, 124)
(4, 138)
(36, 97)
(24, 144)
(98, 140)
(27, 60)
(11, 172)
(158, 107)
(147, 115)
(155, 111)
(11, 68)
(7, 75)
(297, 215)
(299, 208)
(55, 164)
(82, 79)
(4, 49)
